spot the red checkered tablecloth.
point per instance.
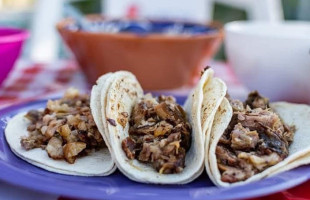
(29, 81)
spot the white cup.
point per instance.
(273, 58)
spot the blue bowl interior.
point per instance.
(144, 27)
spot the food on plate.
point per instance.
(159, 134)
(63, 137)
(156, 140)
(203, 103)
(153, 140)
(254, 139)
(65, 128)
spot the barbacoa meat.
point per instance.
(159, 134)
(65, 128)
(255, 139)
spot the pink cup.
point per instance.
(11, 41)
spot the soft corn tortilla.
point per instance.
(299, 151)
(98, 163)
(98, 103)
(102, 85)
(204, 102)
(124, 93)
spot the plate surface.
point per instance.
(116, 186)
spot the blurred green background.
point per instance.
(222, 14)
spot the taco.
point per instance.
(255, 139)
(61, 138)
(153, 139)
(203, 104)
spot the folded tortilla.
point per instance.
(124, 92)
(203, 104)
(297, 115)
(98, 163)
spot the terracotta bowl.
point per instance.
(158, 61)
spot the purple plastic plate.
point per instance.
(18, 172)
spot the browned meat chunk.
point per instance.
(272, 142)
(254, 140)
(236, 105)
(259, 119)
(33, 116)
(162, 128)
(123, 119)
(243, 139)
(168, 111)
(65, 133)
(128, 146)
(224, 156)
(255, 100)
(225, 140)
(54, 148)
(34, 140)
(71, 150)
(159, 134)
(64, 128)
(232, 174)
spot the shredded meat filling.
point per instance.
(159, 134)
(255, 139)
(65, 128)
